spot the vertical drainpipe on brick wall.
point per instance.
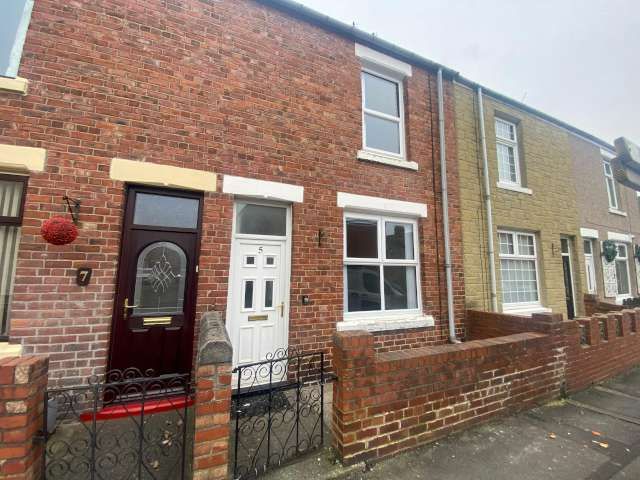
(487, 203)
(445, 211)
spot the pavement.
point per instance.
(594, 434)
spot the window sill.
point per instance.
(10, 350)
(525, 310)
(615, 211)
(622, 298)
(18, 85)
(514, 188)
(386, 159)
(381, 324)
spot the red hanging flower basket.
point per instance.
(59, 231)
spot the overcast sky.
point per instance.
(577, 60)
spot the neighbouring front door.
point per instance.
(568, 277)
(156, 291)
(258, 285)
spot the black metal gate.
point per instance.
(129, 425)
(276, 411)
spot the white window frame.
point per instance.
(610, 183)
(537, 305)
(622, 296)
(381, 261)
(516, 154)
(15, 55)
(589, 260)
(400, 120)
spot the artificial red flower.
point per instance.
(59, 231)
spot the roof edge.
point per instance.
(302, 12)
(545, 116)
(312, 16)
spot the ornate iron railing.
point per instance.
(128, 424)
(277, 410)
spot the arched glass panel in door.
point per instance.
(160, 279)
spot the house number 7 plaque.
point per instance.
(83, 276)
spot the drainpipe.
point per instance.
(445, 211)
(487, 205)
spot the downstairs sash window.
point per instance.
(518, 269)
(381, 271)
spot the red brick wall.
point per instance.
(405, 339)
(480, 325)
(22, 385)
(390, 402)
(590, 356)
(593, 305)
(231, 87)
(600, 358)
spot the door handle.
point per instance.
(127, 307)
(281, 308)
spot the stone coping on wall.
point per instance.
(214, 346)
(454, 352)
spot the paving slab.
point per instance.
(628, 382)
(559, 441)
(609, 401)
(515, 447)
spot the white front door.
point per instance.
(257, 311)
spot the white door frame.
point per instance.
(590, 261)
(573, 283)
(266, 238)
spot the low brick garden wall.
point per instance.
(593, 305)
(389, 402)
(23, 381)
(602, 347)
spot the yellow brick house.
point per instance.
(519, 207)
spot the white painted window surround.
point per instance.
(508, 154)
(18, 159)
(383, 119)
(615, 211)
(366, 203)
(620, 237)
(590, 265)
(519, 272)
(610, 182)
(387, 324)
(589, 233)
(263, 189)
(370, 57)
(381, 211)
(14, 85)
(622, 273)
(514, 188)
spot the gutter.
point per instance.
(487, 205)
(445, 212)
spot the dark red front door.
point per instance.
(156, 291)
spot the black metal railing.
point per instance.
(277, 411)
(125, 425)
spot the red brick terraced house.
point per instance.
(247, 157)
